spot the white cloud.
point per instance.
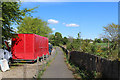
(53, 29)
(52, 21)
(72, 25)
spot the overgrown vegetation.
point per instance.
(106, 46)
(11, 13)
(80, 73)
(34, 26)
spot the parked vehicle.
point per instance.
(5, 57)
(5, 53)
(50, 48)
(27, 47)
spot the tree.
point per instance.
(35, 26)
(74, 44)
(11, 13)
(97, 40)
(70, 39)
(58, 38)
(111, 32)
(65, 40)
(52, 39)
(105, 40)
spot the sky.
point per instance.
(69, 0)
(70, 18)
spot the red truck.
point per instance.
(27, 47)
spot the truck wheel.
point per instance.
(10, 61)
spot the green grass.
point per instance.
(103, 44)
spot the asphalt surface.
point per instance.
(58, 68)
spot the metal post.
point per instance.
(24, 71)
(37, 71)
(43, 63)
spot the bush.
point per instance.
(74, 45)
(104, 49)
(93, 48)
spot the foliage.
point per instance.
(65, 40)
(11, 13)
(74, 44)
(99, 49)
(93, 48)
(98, 40)
(80, 72)
(51, 39)
(106, 48)
(111, 32)
(58, 38)
(35, 26)
(105, 40)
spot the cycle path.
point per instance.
(58, 68)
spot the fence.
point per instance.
(108, 69)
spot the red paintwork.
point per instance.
(29, 46)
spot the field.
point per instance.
(103, 44)
(113, 54)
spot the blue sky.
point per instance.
(69, 18)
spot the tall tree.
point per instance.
(11, 13)
(105, 40)
(58, 38)
(52, 39)
(34, 25)
(65, 40)
(111, 32)
(98, 40)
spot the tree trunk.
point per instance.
(108, 48)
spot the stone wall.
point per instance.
(108, 69)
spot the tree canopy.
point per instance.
(11, 13)
(65, 40)
(34, 25)
(58, 38)
(111, 31)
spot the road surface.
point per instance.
(58, 68)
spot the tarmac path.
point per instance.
(58, 68)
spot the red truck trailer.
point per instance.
(27, 47)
